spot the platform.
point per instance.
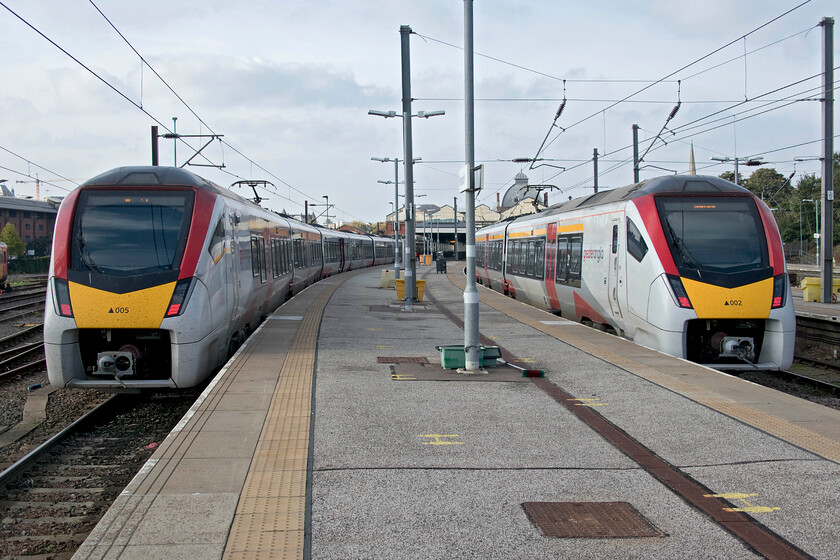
(325, 437)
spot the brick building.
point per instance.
(32, 218)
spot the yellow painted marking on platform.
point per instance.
(382, 347)
(526, 360)
(730, 496)
(754, 509)
(400, 377)
(437, 439)
(749, 508)
(373, 329)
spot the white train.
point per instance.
(692, 266)
(158, 275)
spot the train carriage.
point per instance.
(692, 266)
(157, 275)
(4, 264)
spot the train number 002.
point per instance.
(734, 302)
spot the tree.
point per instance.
(769, 185)
(11, 238)
(41, 246)
(730, 176)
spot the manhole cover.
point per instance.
(402, 360)
(589, 519)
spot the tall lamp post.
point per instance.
(396, 207)
(410, 259)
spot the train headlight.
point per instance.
(679, 291)
(180, 297)
(779, 291)
(61, 299)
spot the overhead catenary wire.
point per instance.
(686, 66)
(160, 123)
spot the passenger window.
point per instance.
(539, 266)
(636, 245)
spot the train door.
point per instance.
(551, 266)
(233, 281)
(615, 282)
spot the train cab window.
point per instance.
(217, 241)
(715, 236)
(118, 233)
(636, 245)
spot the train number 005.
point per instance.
(120, 309)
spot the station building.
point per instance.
(32, 219)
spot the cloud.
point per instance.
(233, 82)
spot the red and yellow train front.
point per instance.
(122, 274)
(723, 261)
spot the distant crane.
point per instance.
(38, 182)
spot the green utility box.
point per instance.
(453, 357)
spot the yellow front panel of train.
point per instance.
(98, 309)
(745, 302)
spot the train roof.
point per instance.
(669, 184)
(147, 175)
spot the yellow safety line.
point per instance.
(787, 431)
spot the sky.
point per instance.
(288, 84)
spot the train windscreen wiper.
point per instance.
(685, 253)
(85, 255)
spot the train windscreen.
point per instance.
(130, 233)
(715, 236)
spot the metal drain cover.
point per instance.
(604, 520)
(402, 360)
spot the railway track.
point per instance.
(52, 498)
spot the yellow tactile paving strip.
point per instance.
(270, 516)
(595, 343)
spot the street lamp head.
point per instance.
(386, 182)
(380, 159)
(386, 114)
(427, 114)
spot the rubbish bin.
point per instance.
(441, 265)
(812, 288)
(386, 280)
(400, 287)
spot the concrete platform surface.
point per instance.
(365, 456)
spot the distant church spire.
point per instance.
(692, 170)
